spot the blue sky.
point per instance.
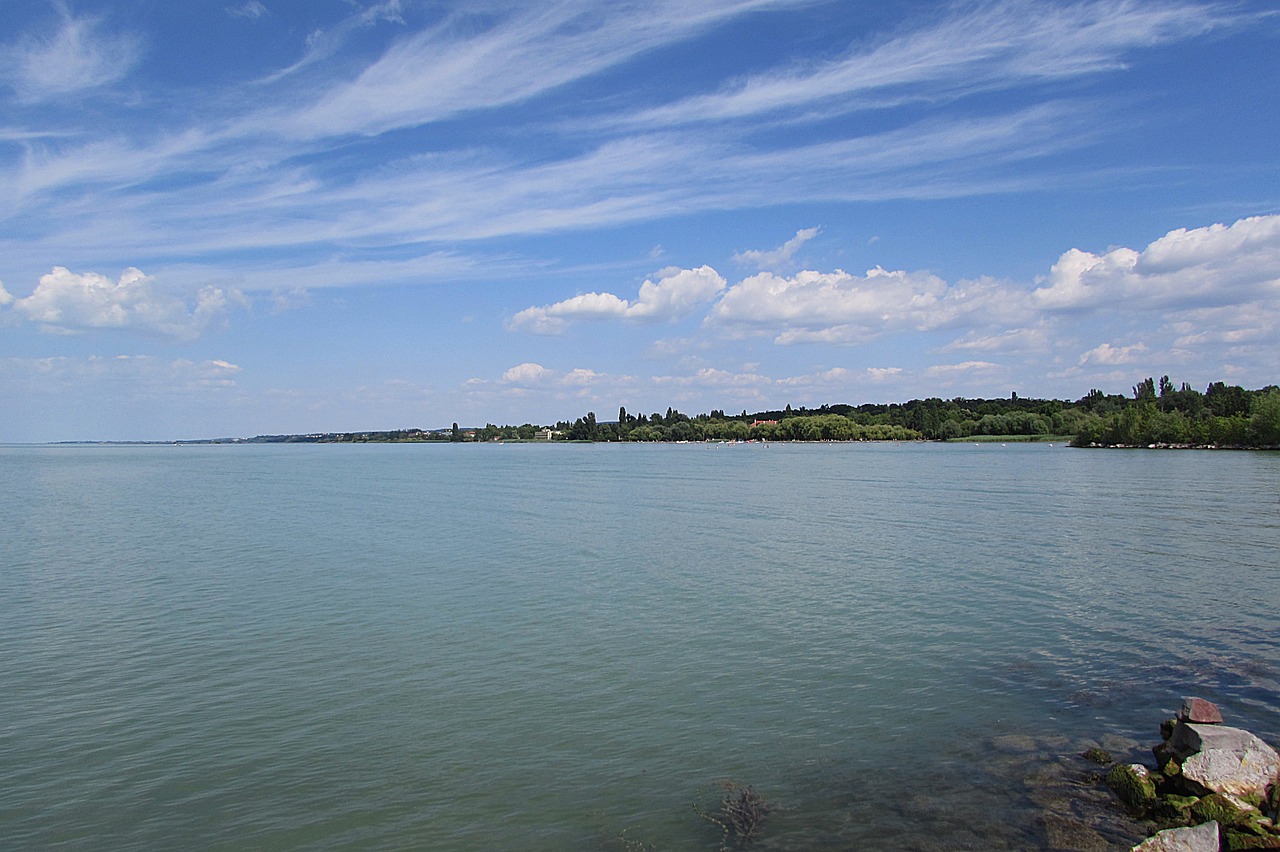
(237, 218)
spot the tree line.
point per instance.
(1157, 413)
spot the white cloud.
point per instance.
(710, 377)
(837, 307)
(675, 295)
(469, 62)
(836, 375)
(251, 10)
(68, 302)
(321, 44)
(80, 55)
(5, 297)
(779, 256)
(978, 47)
(581, 376)
(1013, 340)
(526, 374)
(1202, 267)
(965, 368)
(1105, 354)
(883, 374)
(139, 376)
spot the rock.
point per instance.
(1225, 809)
(1224, 760)
(1063, 832)
(1133, 784)
(1015, 743)
(1201, 838)
(1097, 755)
(1239, 840)
(1175, 809)
(1200, 711)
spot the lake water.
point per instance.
(480, 647)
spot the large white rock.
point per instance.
(1200, 838)
(1224, 759)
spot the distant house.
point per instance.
(544, 435)
(764, 423)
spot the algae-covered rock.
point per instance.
(1226, 809)
(1175, 809)
(1097, 755)
(1201, 838)
(1134, 785)
(1241, 840)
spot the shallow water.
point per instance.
(566, 647)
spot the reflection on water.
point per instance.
(478, 647)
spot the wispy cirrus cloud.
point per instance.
(251, 174)
(782, 255)
(80, 53)
(470, 62)
(251, 10)
(976, 47)
(245, 182)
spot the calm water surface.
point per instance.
(566, 647)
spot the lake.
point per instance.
(529, 646)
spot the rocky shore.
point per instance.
(1213, 788)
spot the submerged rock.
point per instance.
(1097, 755)
(1200, 838)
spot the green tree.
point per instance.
(1264, 419)
(1225, 400)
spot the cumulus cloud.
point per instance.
(837, 307)
(5, 297)
(779, 256)
(883, 374)
(525, 374)
(1107, 355)
(79, 55)
(68, 302)
(1186, 268)
(675, 295)
(530, 375)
